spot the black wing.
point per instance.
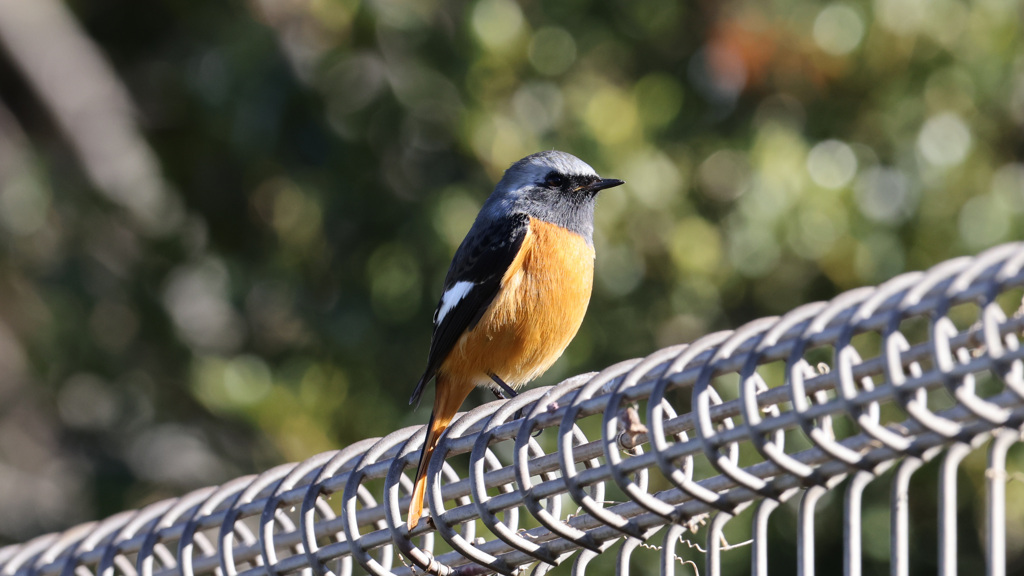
(482, 259)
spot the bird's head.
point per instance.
(552, 186)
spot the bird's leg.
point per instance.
(506, 393)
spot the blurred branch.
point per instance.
(92, 107)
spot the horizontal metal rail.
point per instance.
(648, 451)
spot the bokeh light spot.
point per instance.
(983, 221)
(944, 140)
(353, 83)
(85, 401)
(620, 269)
(293, 214)
(653, 179)
(394, 283)
(886, 195)
(497, 23)
(538, 106)
(175, 454)
(611, 116)
(901, 17)
(230, 384)
(719, 72)
(724, 175)
(696, 246)
(1008, 185)
(831, 164)
(838, 29)
(196, 298)
(778, 158)
(336, 14)
(454, 214)
(816, 231)
(659, 98)
(752, 250)
(552, 50)
(403, 15)
(946, 21)
(497, 141)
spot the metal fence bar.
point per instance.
(650, 452)
(996, 510)
(948, 507)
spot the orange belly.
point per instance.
(538, 310)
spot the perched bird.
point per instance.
(516, 291)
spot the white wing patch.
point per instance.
(450, 298)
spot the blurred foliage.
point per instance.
(327, 156)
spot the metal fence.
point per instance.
(661, 457)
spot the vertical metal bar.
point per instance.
(899, 538)
(622, 560)
(625, 553)
(852, 525)
(805, 531)
(759, 559)
(579, 567)
(714, 556)
(995, 480)
(668, 549)
(948, 508)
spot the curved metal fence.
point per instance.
(664, 455)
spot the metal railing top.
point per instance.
(877, 378)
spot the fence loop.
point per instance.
(522, 466)
(614, 428)
(191, 537)
(506, 530)
(705, 395)
(314, 505)
(356, 493)
(270, 517)
(267, 482)
(681, 476)
(808, 387)
(152, 548)
(111, 560)
(462, 543)
(771, 442)
(591, 503)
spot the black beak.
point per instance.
(605, 183)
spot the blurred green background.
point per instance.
(224, 225)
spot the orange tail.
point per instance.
(447, 401)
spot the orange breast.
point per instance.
(538, 310)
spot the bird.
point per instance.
(516, 292)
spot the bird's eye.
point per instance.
(555, 180)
